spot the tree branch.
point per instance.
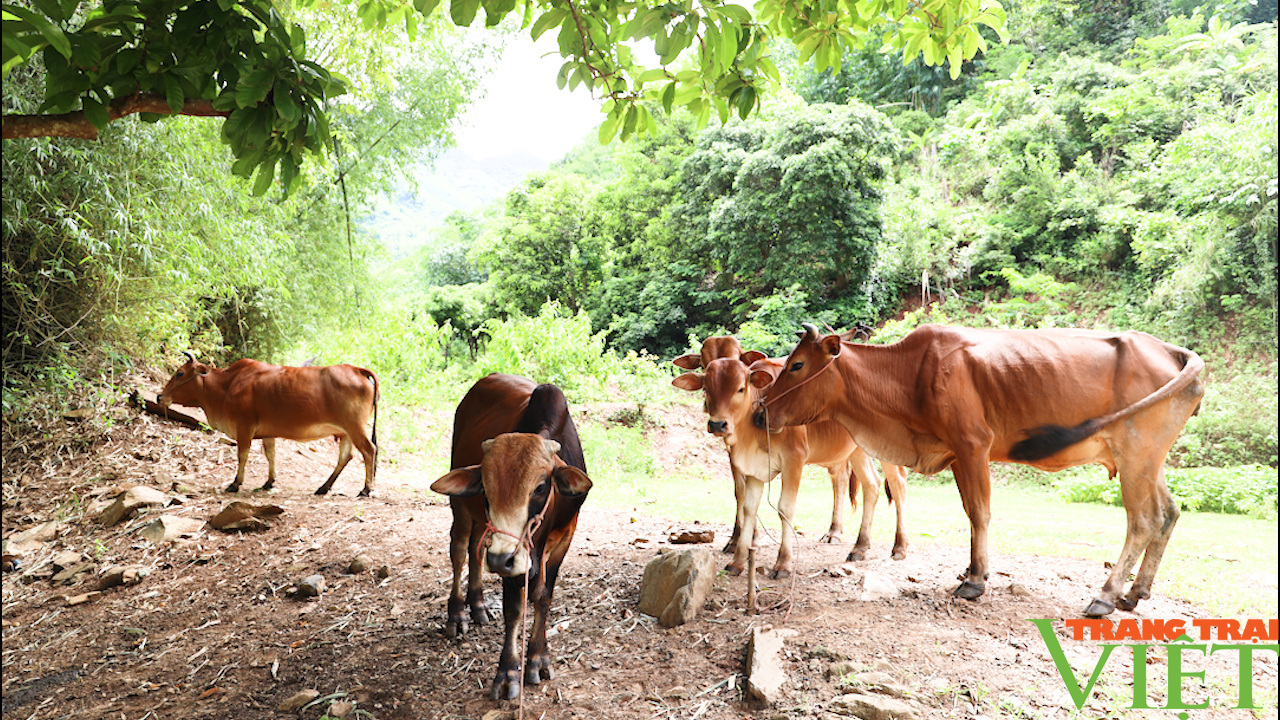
(76, 125)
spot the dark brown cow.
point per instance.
(962, 398)
(254, 400)
(757, 457)
(518, 481)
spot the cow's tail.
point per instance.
(374, 378)
(1049, 439)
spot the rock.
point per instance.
(244, 516)
(311, 586)
(842, 570)
(135, 497)
(33, 539)
(1019, 590)
(297, 700)
(340, 709)
(765, 675)
(499, 715)
(168, 528)
(81, 599)
(690, 537)
(382, 573)
(839, 669)
(676, 584)
(872, 707)
(71, 575)
(877, 587)
(122, 575)
(66, 559)
(359, 564)
(883, 683)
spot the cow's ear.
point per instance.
(462, 482)
(761, 379)
(831, 344)
(570, 481)
(689, 381)
(688, 362)
(751, 356)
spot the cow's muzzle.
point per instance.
(717, 427)
(507, 564)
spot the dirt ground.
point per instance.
(212, 631)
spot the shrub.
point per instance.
(1243, 490)
(555, 347)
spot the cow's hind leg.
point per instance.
(842, 488)
(344, 457)
(506, 683)
(895, 476)
(1151, 513)
(370, 455)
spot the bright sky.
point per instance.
(523, 110)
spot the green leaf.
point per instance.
(266, 174)
(609, 127)
(546, 21)
(253, 89)
(51, 33)
(426, 7)
(96, 113)
(173, 94)
(463, 12)
(668, 97)
(286, 106)
(651, 75)
(746, 101)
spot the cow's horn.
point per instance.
(810, 331)
(552, 446)
(191, 357)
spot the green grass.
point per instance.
(1224, 563)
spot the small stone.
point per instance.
(71, 575)
(1019, 590)
(359, 564)
(168, 528)
(872, 707)
(81, 599)
(839, 669)
(383, 572)
(877, 587)
(765, 675)
(340, 709)
(297, 700)
(122, 575)
(311, 586)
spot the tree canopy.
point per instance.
(249, 61)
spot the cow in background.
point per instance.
(518, 481)
(755, 457)
(255, 400)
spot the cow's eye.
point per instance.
(544, 487)
(179, 374)
(742, 389)
(795, 367)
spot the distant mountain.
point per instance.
(405, 221)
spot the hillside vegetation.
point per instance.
(1112, 169)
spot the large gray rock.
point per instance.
(676, 584)
(872, 707)
(765, 676)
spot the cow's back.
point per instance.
(494, 405)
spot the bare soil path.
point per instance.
(212, 632)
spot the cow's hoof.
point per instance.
(970, 590)
(899, 554)
(1099, 608)
(780, 574)
(830, 538)
(480, 614)
(322, 491)
(233, 488)
(732, 570)
(364, 493)
(506, 686)
(538, 669)
(856, 554)
(455, 628)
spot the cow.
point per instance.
(756, 457)
(250, 400)
(517, 484)
(1054, 398)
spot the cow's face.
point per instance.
(786, 402)
(726, 393)
(519, 475)
(185, 385)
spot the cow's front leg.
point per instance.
(538, 658)
(243, 443)
(506, 683)
(752, 493)
(738, 493)
(864, 476)
(460, 541)
(974, 481)
(269, 452)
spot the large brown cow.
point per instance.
(518, 481)
(757, 457)
(962, 398)
(251, 400)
